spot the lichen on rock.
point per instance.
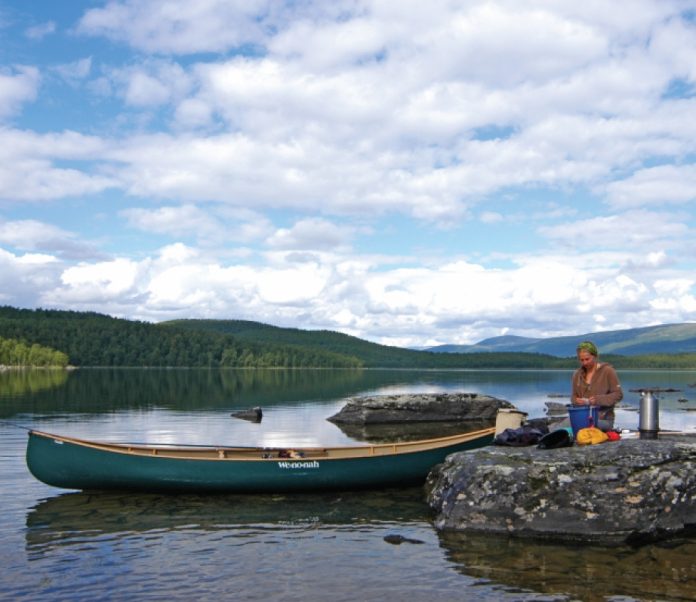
(622, 492)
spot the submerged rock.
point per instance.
(397, 540)
(630, 491)
(439, 407)
(253, 414)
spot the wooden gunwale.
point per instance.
(256, 454)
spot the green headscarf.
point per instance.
(588, 346)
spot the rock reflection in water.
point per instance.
(589, 573)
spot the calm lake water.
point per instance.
(59, 545)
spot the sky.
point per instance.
(412, 173)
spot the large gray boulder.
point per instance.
(628, 491)
(438, 407)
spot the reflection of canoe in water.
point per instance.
(78, 518)
(79, 464)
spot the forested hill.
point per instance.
(92, 339)
(328, 340)
(372, 355)
(661, 339)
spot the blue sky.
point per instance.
(410, 173)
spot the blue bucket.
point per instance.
(580, 417)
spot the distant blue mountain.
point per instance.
(666, 338)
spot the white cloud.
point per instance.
(193, 113)
(24, 277)
(665, 184)
(176, 26)
(149, 84)
(26, 234)
(144, 90)
(397, 133)
(38, 32)
(332, 45)
(76, 70)
(491, 217)
(504, 45)
(176, 220)
(632, 230)
(675, 295)
(315, 234)
(333, 117)
(33, 235)
(214, 226)
(458, 301)
(674, 43)
(33, 180)
(29, 170)
(298, 285)
(113, 282)
(113, 277)
(18, 85)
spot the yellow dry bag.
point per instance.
(590, 436)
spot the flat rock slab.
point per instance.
(439, 407)
(630, 491)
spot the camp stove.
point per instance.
(649, 421)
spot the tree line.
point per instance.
(18, 353)
(374, 355)
(91, 339)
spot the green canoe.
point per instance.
(88, 465)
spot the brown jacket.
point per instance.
(605, 387)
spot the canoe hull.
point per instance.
(69, 464)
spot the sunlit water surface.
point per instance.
(59, 545)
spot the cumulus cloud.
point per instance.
(18, 85)
(100, 280)
(37, 32)
(193, 113)
(148, 84)
(665, 184)
(76, 70)
(214, 226)
(362, 140)
(457, 301)
(173, 26)
(313, 234)
(260, 139)
(30, 170)
(634, 230)
(333, 45)
(24, 276)
(398, 131)
(176, 221)
(33, 235)
(491, 217)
